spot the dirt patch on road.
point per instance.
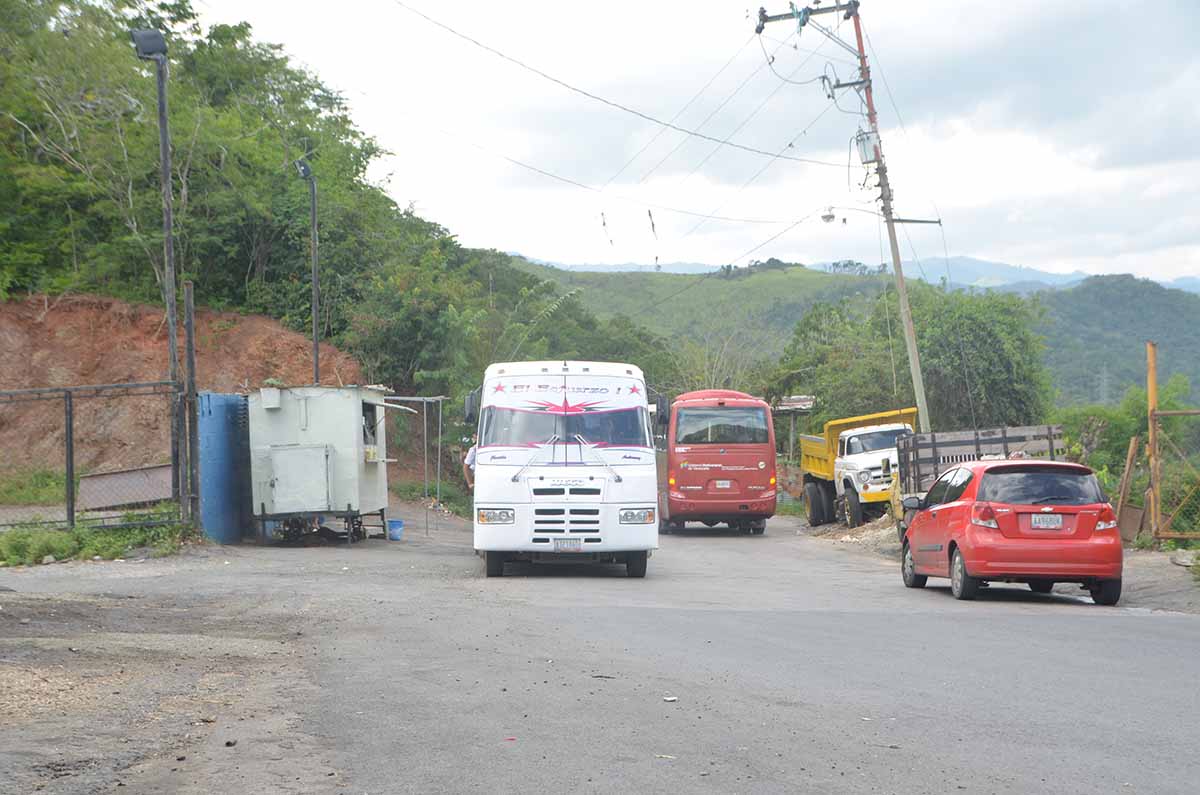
(878, 536)
(158, 694)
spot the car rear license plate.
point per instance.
(723, 484)
(1046, 521)
(568, 545)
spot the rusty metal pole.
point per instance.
(190, 403)
(1152, 443)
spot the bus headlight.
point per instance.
(495, 515)
(637, 516)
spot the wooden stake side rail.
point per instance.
(924, 457)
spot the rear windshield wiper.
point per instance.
(551, 441)
(1053, 498)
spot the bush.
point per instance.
(25, 546)
(457, 498)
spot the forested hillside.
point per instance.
(1096, 335)
(80, 208)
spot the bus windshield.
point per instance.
(514, 427)
(721, 425)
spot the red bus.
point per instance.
(719, 466)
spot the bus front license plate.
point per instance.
(723, 484)
(568, 545)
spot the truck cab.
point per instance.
(864, 467)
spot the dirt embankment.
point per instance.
(81, 340)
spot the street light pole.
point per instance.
(306, 172)
(151, 46)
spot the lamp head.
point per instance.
(148, 43)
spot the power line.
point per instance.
(681, 111)
(707, 118)
(749, 118)
(593, 189)
(597, 97)
(760, 172)
(770, 59)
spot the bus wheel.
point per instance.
(495, 563)
(664, 527)
(814, 504)
(635, 564)
(758, 527)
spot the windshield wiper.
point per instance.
(1052, 498)
(583, 446)
(551, 441)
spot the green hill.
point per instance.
(1096, 335)
(762, 304)
(1095, 331)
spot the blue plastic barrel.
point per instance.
(395, 529)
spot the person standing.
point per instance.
(468, 466)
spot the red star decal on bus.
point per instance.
(498, 388)
(633, 390)
(565, 407)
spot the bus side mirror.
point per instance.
(662, 410)
(471, 407)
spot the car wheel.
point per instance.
(495, 563)
(854, 509)
(814, 504)
(908, 571)
(962, 584)
(1041, 586)
(635, 564)
(1106, 592)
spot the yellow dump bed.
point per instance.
(818, 453)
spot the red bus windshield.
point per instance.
(722, 425)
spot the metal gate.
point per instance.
(105, 455)
(1173, 451)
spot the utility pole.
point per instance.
(871, 151)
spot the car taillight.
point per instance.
(983, 516)
(670, 478)
(1107, 519)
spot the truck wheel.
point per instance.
(635, 564)
(829, 493)
(814, 504)
(962, 585)
(1106, 592)
(495, 563)
(854, 509)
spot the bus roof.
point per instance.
(560, 367)
(713, 396)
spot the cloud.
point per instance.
(1047, 134)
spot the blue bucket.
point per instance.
(395, 529)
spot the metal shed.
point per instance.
(318, 452)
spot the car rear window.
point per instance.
(1040, 485)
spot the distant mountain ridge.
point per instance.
(960, 271)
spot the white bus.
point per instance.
(564, 465)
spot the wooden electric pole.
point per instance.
(873, 148)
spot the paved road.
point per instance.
(798, 666)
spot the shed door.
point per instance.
(300, 478)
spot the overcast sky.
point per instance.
(1045, 134)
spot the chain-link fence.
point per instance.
(1178, 475)
(97, 455)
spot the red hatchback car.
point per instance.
(1014, 521)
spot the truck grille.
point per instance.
(566, 520)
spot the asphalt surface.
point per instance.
(797, 665)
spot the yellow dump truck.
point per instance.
(848, 470)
